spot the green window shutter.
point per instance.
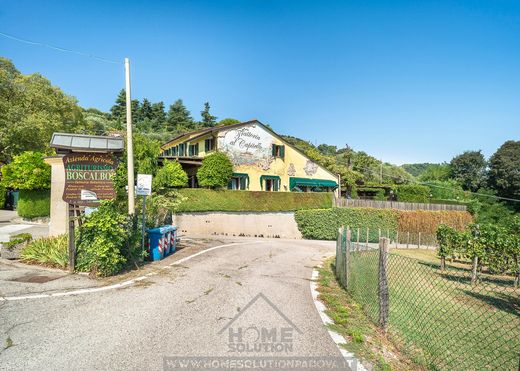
(230, 184)
(276, 185)
(242, 182)
(282, 152)
(273, 150)
(206, 145)
(197, 149)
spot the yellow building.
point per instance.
(262, 160)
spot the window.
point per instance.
(193, 150)
(182, 149)
(270, 183)
(209, 145)
(175, 150)
(239, 181)
(278, 151)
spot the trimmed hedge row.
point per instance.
(199, 199)
(324, 224)
(34, 203)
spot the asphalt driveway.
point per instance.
(219, 303)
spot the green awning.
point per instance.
(309, 182)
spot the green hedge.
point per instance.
(34, 204)
(3, 196)
(323, 224)
(198, 199)
(413, 193)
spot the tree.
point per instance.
(504, 170)
(146, 153)
(435, 172)
(215, 171)
(208, 120)
(145, 110)
(327, 150)
(170, 175)
(469, 168)
(158, 116)
(228, 121)
(31, 109)
(27, 171)
(179, 118)
(118, 110)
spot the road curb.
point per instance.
(350, 358)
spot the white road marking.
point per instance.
(350, 358)
(125, 283)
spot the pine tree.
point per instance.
(118, 110)
(158, 114)
(145, 110)
(179, 118)
(208, 120)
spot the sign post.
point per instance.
(144, 188)
(89, 178)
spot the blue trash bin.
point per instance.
(162, 241)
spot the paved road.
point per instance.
(181, 312)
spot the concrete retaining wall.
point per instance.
(248, 224)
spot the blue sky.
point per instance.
(405, 81)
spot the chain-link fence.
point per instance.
(437, 318)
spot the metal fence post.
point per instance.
(383, 283)
(348, 236)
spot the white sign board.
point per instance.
(247, 145)
(144, 185)
(87, 195)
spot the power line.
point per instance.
(45, 45)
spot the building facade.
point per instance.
(262, 160)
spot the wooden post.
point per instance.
(72, 241)
(384, 301)
(419, 242)
(474, 271)
(408, 240)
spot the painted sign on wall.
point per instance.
(89, 177)
(248, 145)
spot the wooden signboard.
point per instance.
(89, 178)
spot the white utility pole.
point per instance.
(129, 141)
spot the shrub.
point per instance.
(215, 171)
(3, 195)
(34, 203)
(27, 171)
(323, 224)
(170, 175)
(427, 222)
(412, 193)
(197, 199)
(48, 251)
(102, 239)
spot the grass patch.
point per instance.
(364, 338)
(440, 319)
(198, 199)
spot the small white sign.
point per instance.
(144, 185)
(87, 195)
